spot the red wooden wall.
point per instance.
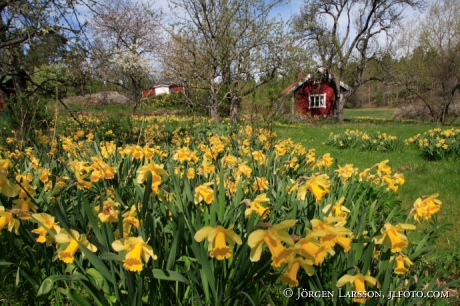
(302, 98)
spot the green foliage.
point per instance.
(52, 79)
(26, 114)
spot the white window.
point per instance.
(317, 101)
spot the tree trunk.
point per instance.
(234, 105)
(339, 101)
(340, 105)
(214, 109)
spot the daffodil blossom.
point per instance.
(393, 236)
(73, 240)
(358, 284)
(272, 238)
(48, 224)
(290, 276)
(218, 237)
(138, 252)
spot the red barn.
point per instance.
(165, 86)
(314, 97)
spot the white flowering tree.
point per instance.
(126, 39)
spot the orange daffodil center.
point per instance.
(218, 237)
(138, 252)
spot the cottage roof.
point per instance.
(293, 87)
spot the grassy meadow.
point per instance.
(149, 210)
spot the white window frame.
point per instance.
(317, 101)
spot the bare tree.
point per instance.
(346, 33)
(127, 39)
(429, 69)
(221, 46)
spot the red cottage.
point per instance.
(165, 86)
(314, 97)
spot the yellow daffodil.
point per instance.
(218, 237)
(182, 154)
(190, 173)
(425, 207)
(272, 238)
(325, 161)
(402, 262)
(48, 224)
(310, 157)
(259, 157)
(301, 191)
(7, 219)
(333, 233)
(383, 168)
(290, 276)
(358, 284)
(393, 236)
(157, 172)
(67, 255)
(81, 183)
(206, 168)
(256, 206)
(337, 210)
(7, 188)
(109, 211)
(319, 185)
(363, 175)
(204, 192)
(346, 172)
(243, 169)
(23, 207)
(138, 252)
(129, 220)
(311, 248)
(260, 184)
(96, 175)
(5, 164)
(44, 177)
(229, 161)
